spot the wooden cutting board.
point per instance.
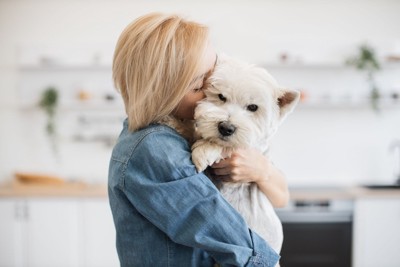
(38, 179)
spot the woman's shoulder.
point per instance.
(154, 140)
(156, 152)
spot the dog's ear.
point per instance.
(287, 100)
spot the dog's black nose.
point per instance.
(225, 128)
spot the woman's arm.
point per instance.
(250, 165)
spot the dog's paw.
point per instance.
(203, 156)
(199, 160)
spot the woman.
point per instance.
(164, 212)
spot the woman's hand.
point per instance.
(250, 165)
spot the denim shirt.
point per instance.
(167, 214)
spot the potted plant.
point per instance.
(49, 102)
(366, 61)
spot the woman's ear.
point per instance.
(287, 100)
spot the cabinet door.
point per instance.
(53, 233)
(12, 249)
(99, 234)
(377, 233)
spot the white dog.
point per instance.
(243, 108)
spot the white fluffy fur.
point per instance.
(242, 85)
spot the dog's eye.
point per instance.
(222, 97)
(252, 108)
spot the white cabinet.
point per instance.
(376, 232)
(52, 233)
(12, 222)
(39, 233)
(56, 232)
(98, 234)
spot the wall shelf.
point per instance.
(322, 66)
(347, 105)
(116, 106)
(42, 68)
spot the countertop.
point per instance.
(79, 189)
(68, 189)
(350, 192)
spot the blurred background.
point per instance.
(344, 57)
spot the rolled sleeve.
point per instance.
(263, 255)
(163, 185)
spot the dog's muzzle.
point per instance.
(226, 129)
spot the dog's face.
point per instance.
(243, 106)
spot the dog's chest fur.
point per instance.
(254, 206)
(256, 209)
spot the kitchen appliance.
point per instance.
(317, 233)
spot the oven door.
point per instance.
(316, 236)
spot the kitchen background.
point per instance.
(334, 138)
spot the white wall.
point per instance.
(315, 145)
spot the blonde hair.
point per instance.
(156, 58)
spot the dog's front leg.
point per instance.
(205, 153)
